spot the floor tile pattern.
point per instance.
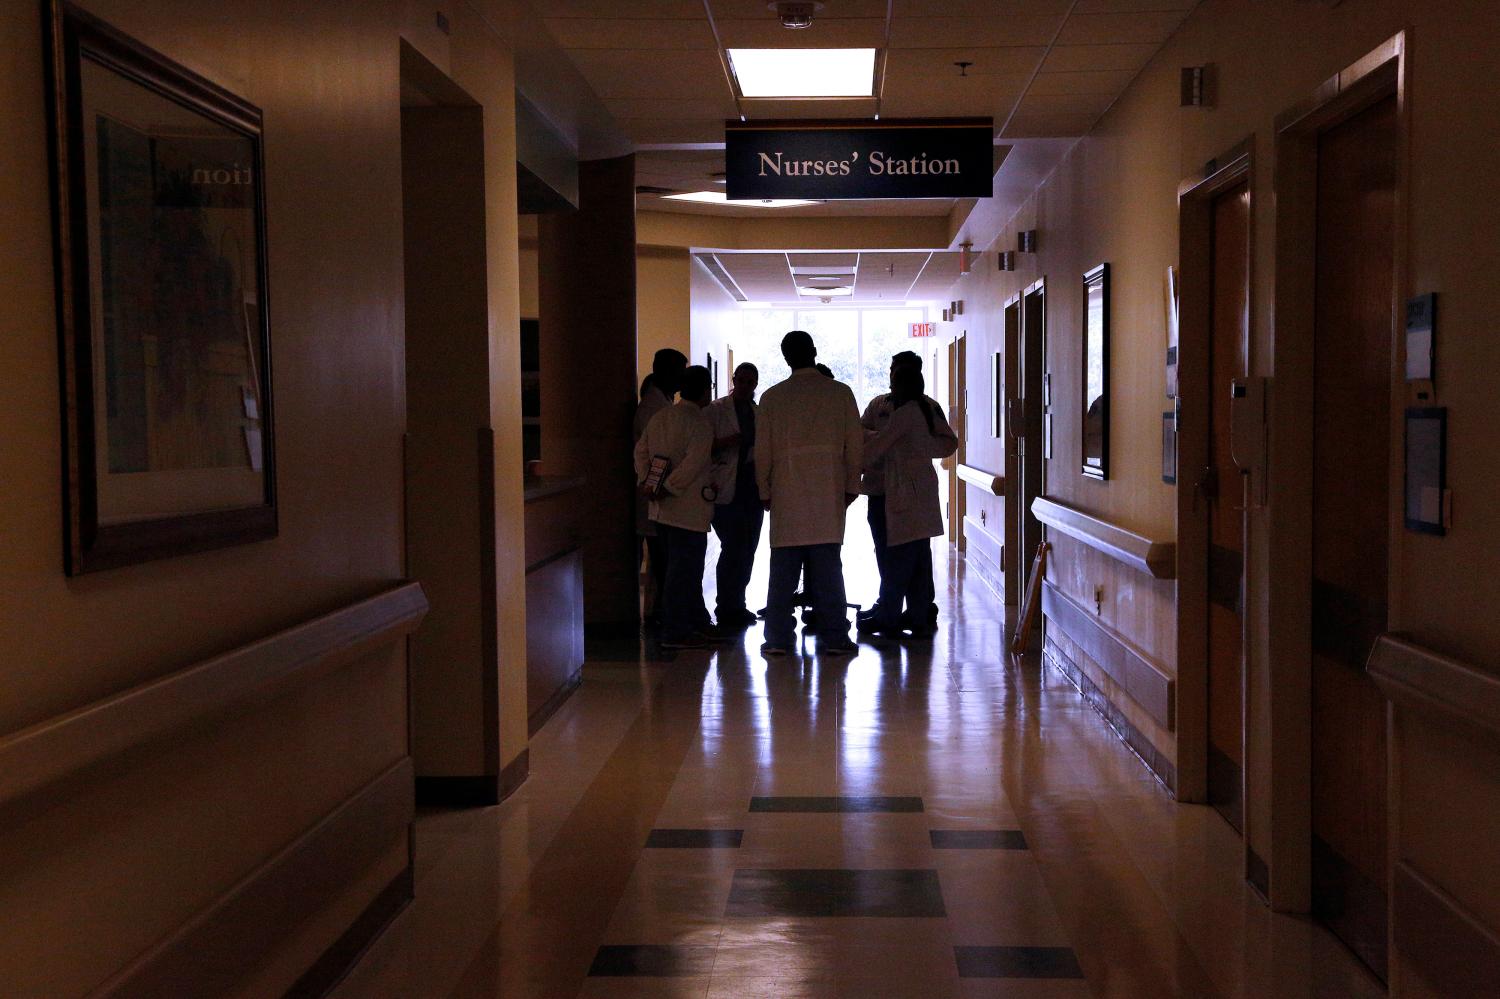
(707, 826)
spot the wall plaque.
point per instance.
(859, 159)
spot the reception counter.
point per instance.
(554, 595)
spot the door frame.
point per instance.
(1195, 206)
(1010, 570)
(1378, 75)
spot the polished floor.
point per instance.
(929, 820)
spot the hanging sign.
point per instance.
(859, 159)
(923, 329)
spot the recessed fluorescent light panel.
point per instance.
(837, 292)
(804, 72)
(720, 198)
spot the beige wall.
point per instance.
(715, 322)
(662, 304)
(1114, 199)
(195, 814)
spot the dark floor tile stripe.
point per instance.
(978, 839)
(694, 839)
(835, 892)
(1017, 962)
(651, 961)
(833, 803)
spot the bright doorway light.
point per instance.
(720, 198)
(804, 72)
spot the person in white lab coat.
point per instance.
(657, 391)
(738, 513)
(807, 463)
(877, 413)
(914, 437)
(681, 507)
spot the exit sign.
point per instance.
(923, 329)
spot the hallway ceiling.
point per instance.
(1040, 68)
(876, 278)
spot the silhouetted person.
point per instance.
(657, 390)
(738, 513)
(681, 506)
(913, 437)
(807, 462)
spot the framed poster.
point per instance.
(159, 231)
(1096, 372)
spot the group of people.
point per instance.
(803, 454)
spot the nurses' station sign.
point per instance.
(859, 159)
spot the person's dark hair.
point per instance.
(907, 359)
(907, 386)
(823, 370)
(798, 349)
(746, 366)
(695, 382)
(666, 370)
(646, 383)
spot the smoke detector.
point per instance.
(795, 15)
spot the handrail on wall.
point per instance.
(1156, 558)
(53, 749)
(988, 481)
(1418, 677)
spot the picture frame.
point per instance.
(1095, 373)
(163, 309)
(1425, 480)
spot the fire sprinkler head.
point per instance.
(963, 67)
(795, 15)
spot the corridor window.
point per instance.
(857, 344)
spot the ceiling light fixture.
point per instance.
(804, 73)
(795, 16)
(720, 198)
(838, 291)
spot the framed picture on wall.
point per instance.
(159, 228)
(1096, 372)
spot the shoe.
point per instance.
(837, 647)
(735, 620)
(772, 649)
(713, 634)
(870, 628)
(685, 642)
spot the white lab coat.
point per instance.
(808, 446)
(653, 401)
(725, 422)
(904, 452)
(680, 432)
(875, 417)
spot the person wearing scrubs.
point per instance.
(808, 451)
(681, 507)
(657, 391)
(738, 513)
(913, 438)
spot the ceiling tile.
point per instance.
(664, 74)
(984, 8)
(620, 33)
(1094, 58)
(1117, 29)
(995, 103)
(728, 10)
(759, 109)
(1129, 6)
(1093, 105)
(955, 32)
(936, 65)
(1086, 82)
(829, 33)
(650, 9)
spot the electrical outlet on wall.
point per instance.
(1098, 600)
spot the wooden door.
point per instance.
(1010, 432)
(1223, 489)
(1032, 407)
(1351, 453)
(958, 419)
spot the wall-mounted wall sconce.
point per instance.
(947, 317)
(1026, 241)
(1007, 260)
(1197, 86)
(958, 307)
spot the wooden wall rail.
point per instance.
(53, 749)
(988, 481)
(1417, 677)
(1147, 683)
(1157, 558)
